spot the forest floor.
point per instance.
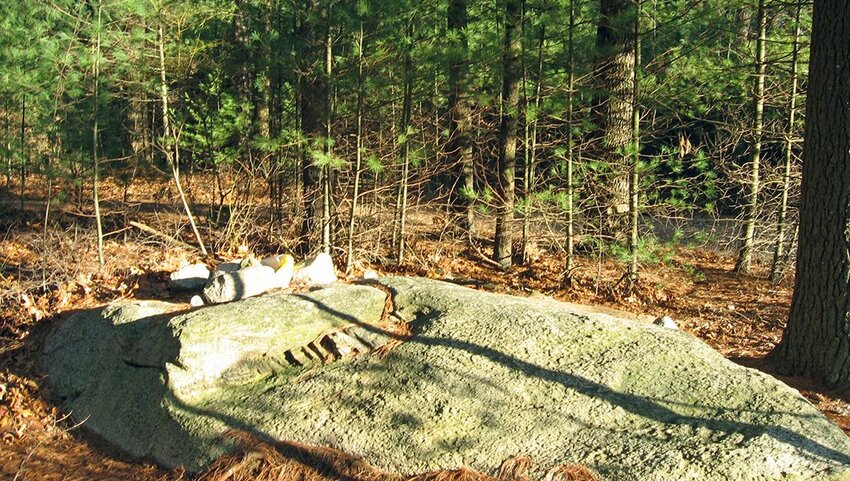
(45, 275)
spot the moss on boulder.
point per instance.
(484, 377)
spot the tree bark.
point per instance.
(816, 340)
(508, 132)
(613, 74)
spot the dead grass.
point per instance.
(255, 460)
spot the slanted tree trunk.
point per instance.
(460, 144)
(745, 253)
(508, 132)
(614, 77)
(171, 138)
(781, 227)
(816, 340)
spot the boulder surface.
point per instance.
(482, 378)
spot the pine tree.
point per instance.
(511, 74)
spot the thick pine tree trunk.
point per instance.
(817, 338)
(460, 145)
(614, 73)
(508, 131)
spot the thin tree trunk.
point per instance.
(745, 254)
(358, 162)
(313, 97)
(8, 137)
(172, 153)
(24, 150)
(526, 143)
(634, 179)
(508, 132)
(437, 126)
(779, 248)
(531, 148)
(326, 171)
(460, 145)
(95, 159)
(405, 146)
(570, 264)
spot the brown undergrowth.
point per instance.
(740, 316)
(255, 460)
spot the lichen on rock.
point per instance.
(483, 377)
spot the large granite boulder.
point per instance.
(482, 378)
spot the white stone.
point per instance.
(248, 282)
(197, 301)
(317, 271)
(190, 278)
(666, 321)
(369, 274)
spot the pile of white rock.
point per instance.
(248, 277)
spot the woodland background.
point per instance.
(642, 154)
(321, 124)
